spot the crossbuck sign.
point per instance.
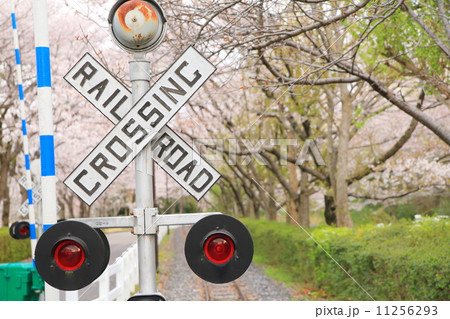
(141, 124)
(37, 196)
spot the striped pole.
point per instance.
(31, 214)
(46, 139)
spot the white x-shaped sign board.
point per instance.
(23, 182)
(37, 196)
(140, 124)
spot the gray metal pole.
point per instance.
(140, 81)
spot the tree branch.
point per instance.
(304, 81)
(385, 197)
(317, 25)
(417, 114)
(432, 35)
(443, 16)
(393, 150)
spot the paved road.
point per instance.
(119, 242)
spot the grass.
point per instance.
(13, 250)
(404, 261)
(431, 206)
(283, 275)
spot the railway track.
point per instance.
(223, 292)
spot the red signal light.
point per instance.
(24, 230)
(69, 255)
(219, 248)
(20, 230)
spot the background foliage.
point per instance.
(402, 261)
(12, 250)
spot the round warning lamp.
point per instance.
(137, 25)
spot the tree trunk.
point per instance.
(293, 215)
(343, 218)
(268, 203)
(84, 210)
(303, 207)
(255, 205)
(270, 206)
(330, 210)
(4, 189)
(239, 209)
(69, 202)
(181, 210)
(293, 203)
(271, 210)
(6, 208)
(330, 207)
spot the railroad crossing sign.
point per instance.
(140, 124)
(37, 196)
(76, 251)
(23, 182)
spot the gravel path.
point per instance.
(177, 282)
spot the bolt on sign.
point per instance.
(140, 124)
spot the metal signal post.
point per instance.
(220, 248)
(138, 27)
(144, 177)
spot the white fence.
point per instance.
(125, 270)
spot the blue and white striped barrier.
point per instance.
(19, 80)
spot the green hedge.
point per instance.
(13, 250)
(404, 261)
